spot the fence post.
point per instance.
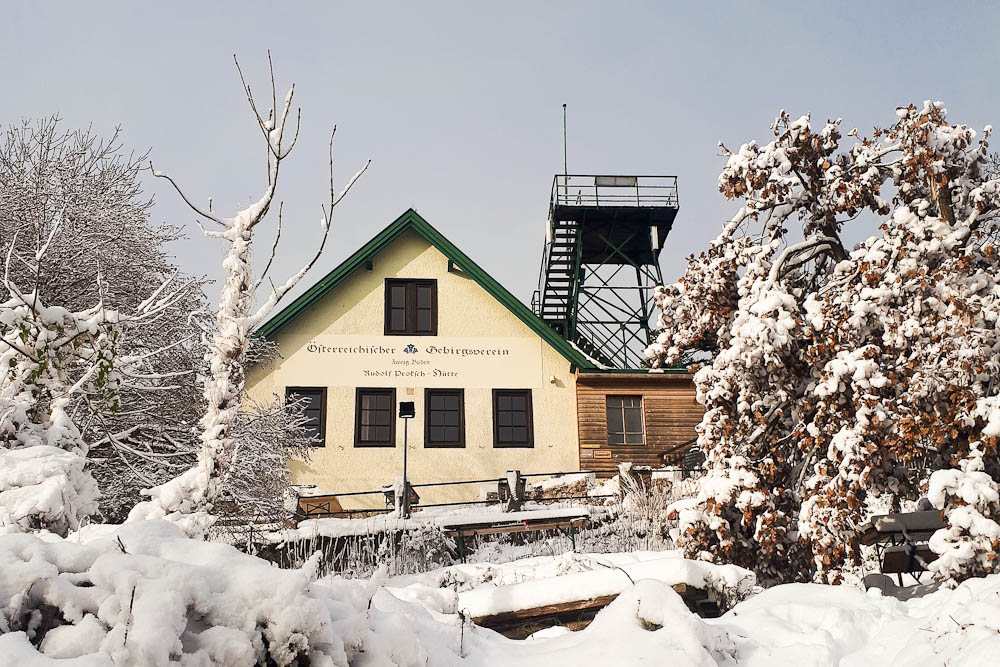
(513, 496)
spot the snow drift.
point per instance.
(146, 595)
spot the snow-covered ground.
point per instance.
(146, 595)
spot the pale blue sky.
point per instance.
(459, 103)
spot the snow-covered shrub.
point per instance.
(44, 487)
(52, 360)
(257, 485)
(402, 549)
(506, 548)
(147, 595)
(838, 376)
(40, 348)
(970, 545)
(426, 548)
(640, 517)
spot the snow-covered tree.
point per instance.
(90, 188)
(52, 361)
(840, 379)
(268, 434)
(238, 313)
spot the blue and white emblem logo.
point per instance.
(410, 349)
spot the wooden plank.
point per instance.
(517, 528)
(897, 560)
(547, 610)
(588, 604)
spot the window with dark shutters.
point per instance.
(314, 401)
(444, 418)
(512, 419)
(410, 307)
(375, 418)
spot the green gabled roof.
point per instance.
(411, 220)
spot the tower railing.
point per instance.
(614, 190)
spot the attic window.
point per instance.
(410, 307)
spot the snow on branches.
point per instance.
(196, 491)
(79, 196)
(840, 380)
(44, 453)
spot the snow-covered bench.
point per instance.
(573, 599)
(566, 521)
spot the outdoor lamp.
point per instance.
(407, 411)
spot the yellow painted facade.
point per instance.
(355, 307)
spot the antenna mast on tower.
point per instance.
(601, 261)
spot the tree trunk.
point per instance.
(225, 382)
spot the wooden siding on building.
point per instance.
(669, 413)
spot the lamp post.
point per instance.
(407, 411)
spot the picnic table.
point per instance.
(901, 541)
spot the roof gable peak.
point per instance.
(411, 220)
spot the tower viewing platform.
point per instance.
(616, 210)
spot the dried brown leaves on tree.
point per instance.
(846, 382)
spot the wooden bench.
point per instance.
(567, 525)
(324, 506)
